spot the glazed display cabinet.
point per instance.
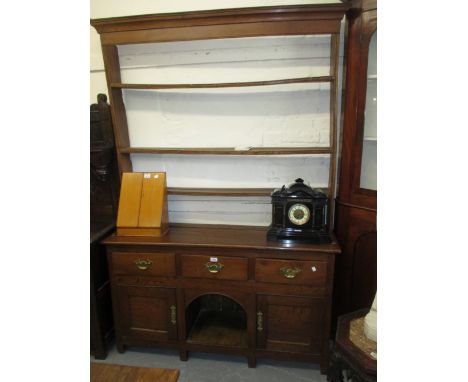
(356, 211)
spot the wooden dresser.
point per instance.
(224, 289)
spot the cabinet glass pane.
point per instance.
(369, 146)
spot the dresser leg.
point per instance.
(120, 347)
(252, 361)
(183, 355)
(324, 366)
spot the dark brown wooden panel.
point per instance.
(280, 28)
(309, 272)
(226, 150)
(156, 264)
(232, 237)
(356, 268)
(145, 312)
(233, 268)
(290, 323)
(312, 13)
(225, 84)
(119, 117)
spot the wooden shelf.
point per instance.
(226, 150)
(226, 191)
(219, 328)
(220, 191)
(296, 20)
(223, 85)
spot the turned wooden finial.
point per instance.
(101, 98)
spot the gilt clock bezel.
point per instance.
(299, 221)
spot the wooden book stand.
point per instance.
(143, 205)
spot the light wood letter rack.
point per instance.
(143, 205)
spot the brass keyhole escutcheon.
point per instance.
(290, 273)
(143, 264)
(173, 314)
(259, 320)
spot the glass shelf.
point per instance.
(369, 147)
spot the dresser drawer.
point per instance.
(214, 267)
(143, 264)
(304, 272)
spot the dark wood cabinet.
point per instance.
(356, 202)
(101, 321)
(201, 288)
(103, 208)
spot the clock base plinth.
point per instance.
(304, 236)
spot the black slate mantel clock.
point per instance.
(299, 214)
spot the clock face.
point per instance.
(299, 214)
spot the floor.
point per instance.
(204, 367)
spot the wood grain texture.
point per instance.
(269, 270)
(152, 200)
(145, 313)
(162, 264)
(225, 84)
(356, 208)
(329, 12)
(129, 203)
(119, 118)
(334, 63)
(218, 312)
(291, 324)
(233, 268)
(227, 150)
(143, 205)
(101, 372)
(240, 237)
(220, 191)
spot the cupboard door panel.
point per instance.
(290, 324)
(148, 312)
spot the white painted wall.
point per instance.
(271, 116)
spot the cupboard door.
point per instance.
(290, 324)
(148, 312)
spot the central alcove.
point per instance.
(216, 319)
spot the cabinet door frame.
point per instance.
(361, 29)
(368, 28)
(166, 295)
(317, 329)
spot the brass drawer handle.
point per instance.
(173, 314)
(290, 273)
(259, 321)
(143, 264)
(214, 267)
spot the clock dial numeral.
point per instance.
(299, 214)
